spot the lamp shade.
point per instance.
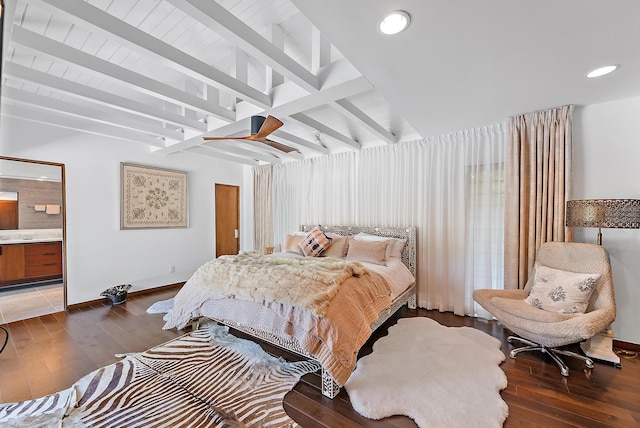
(604, 213)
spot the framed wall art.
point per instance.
(152, 197)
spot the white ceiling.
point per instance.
(468, 63)
(163, 73)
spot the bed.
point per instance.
(332, 337)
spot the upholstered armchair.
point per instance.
(558, 278)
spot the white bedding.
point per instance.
(396, 273)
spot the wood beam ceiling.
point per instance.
(68, 40)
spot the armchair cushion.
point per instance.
(561, 291)
(522, 309)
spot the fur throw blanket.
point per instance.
(309, 283)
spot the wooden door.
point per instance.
(227, 219)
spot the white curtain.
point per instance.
(314, 191)
(451, 188)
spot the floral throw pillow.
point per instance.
(556, 290)
(314, 243)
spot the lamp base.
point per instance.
(600, 347)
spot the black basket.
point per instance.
(117, 294)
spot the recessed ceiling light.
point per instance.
(602, 71)
(394, 22)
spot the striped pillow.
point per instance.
(314, 243)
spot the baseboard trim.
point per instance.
(628, 346)
(131, 293)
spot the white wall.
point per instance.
(99, 254)
(606, 165)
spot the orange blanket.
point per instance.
(334, 339)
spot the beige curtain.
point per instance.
(537, 185)
(262, 207)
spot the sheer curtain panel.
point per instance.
(451, 188)
(313, 191)
(538, 180)
(263, 207)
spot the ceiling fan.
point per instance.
(261, 127)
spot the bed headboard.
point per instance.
(408, 233)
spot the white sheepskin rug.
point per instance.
(438, 376)
(162, 307)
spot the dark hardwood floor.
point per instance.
(537, 394)
(51, 352)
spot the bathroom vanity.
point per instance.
(30, 257)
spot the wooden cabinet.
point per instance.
(22, 263)
(43, 259)
(11, 262)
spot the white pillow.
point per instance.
(561, 291)
(394, 249)
(369, 237)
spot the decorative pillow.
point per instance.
(314, 243)
(556, 290)
(291, 244)
(394, 249)
(367, 251)
(338, 247)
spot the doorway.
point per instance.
(33, 249)
(227, 200)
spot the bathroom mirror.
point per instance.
(34, 193)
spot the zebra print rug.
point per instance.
(207, 378)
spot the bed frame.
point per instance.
(329, 386)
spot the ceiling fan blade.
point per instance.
(250, 137)
(270, 124)
(278, 146)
